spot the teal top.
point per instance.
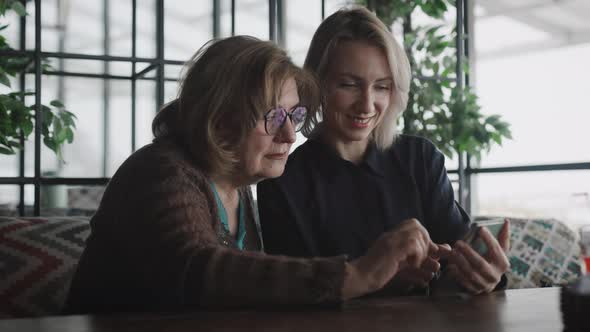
(223, 216)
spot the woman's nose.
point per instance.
(287, 132)
(366, 102)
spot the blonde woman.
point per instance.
(356, 177)
(176, 228)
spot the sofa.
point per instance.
(38, 256)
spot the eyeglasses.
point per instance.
(275, 119)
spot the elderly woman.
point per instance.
(176, 227)
(356, 177)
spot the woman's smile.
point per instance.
(360, 121)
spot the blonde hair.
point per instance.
(358, 23)
(228, 85)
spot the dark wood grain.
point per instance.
(512, 310)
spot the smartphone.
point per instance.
(472, 237)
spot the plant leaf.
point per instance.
(4, 150)
(27, 128)
(50, 143)
(69, 135)
(62, 135)
(4, 79)
(14, 144)
(19, 8)
(56, 125)
(56, 103)
(47, 118)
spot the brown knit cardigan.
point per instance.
(157, 244)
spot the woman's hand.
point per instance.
(480, 274)
(406, 246)
(411, 277)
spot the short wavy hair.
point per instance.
(358, 23)
(228, 85)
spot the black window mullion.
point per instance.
(38, 114)
(22, 86)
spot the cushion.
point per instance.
(543, 253)
(38, 257)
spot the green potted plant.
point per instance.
(16, 117)
(438, 108)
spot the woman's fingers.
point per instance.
(430, 265)
(456, 274)
(408, 248)
(421, 276)
(478, 264)
(470, 277)
(496, 254)
(427, 270)
(504, 236)
(415, 277)
(413, 242)
(393, 251)
(432, 248)
(443, 252)
(477, 273)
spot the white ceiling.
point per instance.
(546, 24)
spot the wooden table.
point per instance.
(512, 310)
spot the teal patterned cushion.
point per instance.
(543, 252)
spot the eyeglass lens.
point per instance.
(275, 118)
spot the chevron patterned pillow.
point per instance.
(38, 257)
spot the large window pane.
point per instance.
(83, 97)
(188, 25)
(171, 87)
(564, 195)
(49, 92)
(84, 157)
(145, 111)
(303, 18)
(64, 200)
(9, 200)
(252, 18)
(81, 26)
(116, 68)
(146, 28)
(77, 26)
(119, 124)
(119, 27)
(537, 80)
(332, 6)
(9, 165)
(225, 18)
(12, 29)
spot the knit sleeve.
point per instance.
(232, 279)
(181, 260)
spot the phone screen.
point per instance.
(494, 226)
